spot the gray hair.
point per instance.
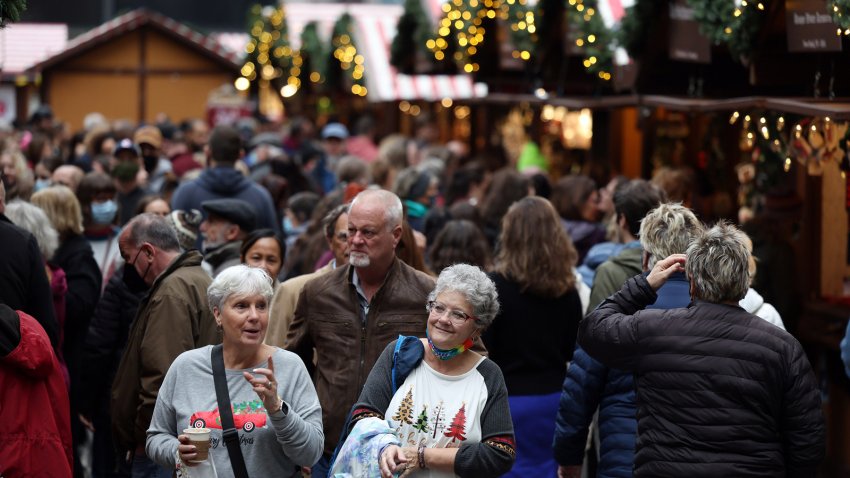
(717, 264)
(473, 283)
(330, 219)
(155, 230)
(393, 211)
(240, 281)
(34, 220)
(668, 229)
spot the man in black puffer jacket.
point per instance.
(720, 392)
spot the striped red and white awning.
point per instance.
(375, 28)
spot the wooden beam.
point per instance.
(833, 226)
(137, 71)
(143, 80)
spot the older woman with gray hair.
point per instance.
(720, 392)
(275, 407)
(438, 408)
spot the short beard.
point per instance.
(359, 259)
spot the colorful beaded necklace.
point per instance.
(449, 353)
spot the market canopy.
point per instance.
(25, 44)
(374, 29)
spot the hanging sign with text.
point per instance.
(810, 27)
(686, 41)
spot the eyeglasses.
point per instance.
(458, 317)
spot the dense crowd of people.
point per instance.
(320, 302)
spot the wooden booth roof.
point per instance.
(134, 20)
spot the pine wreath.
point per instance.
(724, 23)
(635, 25)
(269, 55)
(345, 65)
(11, 10)
(412, 34)
(839, 10)
(594, 38)
(313, 54)
(465, 25)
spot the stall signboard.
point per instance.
(810, 27)
(226, 106)
(686, 41)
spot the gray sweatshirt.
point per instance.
(272, 445)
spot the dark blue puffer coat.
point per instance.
(590, 384)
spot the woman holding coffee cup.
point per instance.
(275, 408)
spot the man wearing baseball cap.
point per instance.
(149, 140)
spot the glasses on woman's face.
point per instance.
(458, 317)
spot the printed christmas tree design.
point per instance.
(437, 420)
(405, 410)
(421, 424)
(458, 425)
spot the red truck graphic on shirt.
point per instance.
(246, 415)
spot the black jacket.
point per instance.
(720, 392)
(23, 280)
(533, 337)
(105, 342)
(75, 257)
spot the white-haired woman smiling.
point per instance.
(275, 407)
(446, 407)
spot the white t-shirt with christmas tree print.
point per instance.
(437, 410)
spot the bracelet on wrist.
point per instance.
(421, 456)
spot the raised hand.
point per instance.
(664, 268)
(265, 386)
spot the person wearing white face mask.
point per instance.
(96, 193)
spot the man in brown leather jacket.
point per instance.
(174, 317)
(350, 314)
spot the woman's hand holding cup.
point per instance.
(188, 452)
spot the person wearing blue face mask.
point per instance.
(96, 193)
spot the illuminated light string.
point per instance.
(461, 31)
(774, 139)
(270, 58)
(839, 11)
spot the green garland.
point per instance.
(595, 39)
(269, 56)
(313, 54)
(466, 23)
(636, 23)
(839, 10)
(725, 24)
(412, 34)
(344, 59)
(11, 10)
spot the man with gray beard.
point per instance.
(349, 315)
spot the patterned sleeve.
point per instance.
(495, 454)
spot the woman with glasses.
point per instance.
(432, 407)
(534, 277)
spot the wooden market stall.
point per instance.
(135, 66)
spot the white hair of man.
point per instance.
(717, 264)
(668, 229)
(393, 211)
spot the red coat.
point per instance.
(35, 436)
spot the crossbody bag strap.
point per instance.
(229, 432)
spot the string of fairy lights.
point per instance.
(807, 139)
(270, 58)
(462, 30)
